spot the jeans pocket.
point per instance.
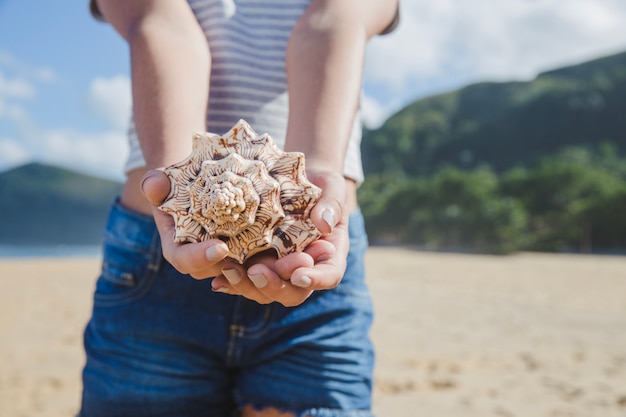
(128, 272)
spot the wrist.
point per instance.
(323, 166)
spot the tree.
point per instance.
(558, 195)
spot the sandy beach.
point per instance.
(527, 335)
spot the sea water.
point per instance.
(47, 251)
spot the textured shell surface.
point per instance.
(241, 188)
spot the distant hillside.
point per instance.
(42, 205)
(505, 124)
(500, 125)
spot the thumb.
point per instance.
(155, 186)
(329, 208)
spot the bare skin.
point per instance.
(270, 412)
(171, 61)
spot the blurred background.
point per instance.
(489, 126)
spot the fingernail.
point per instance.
(302, 282)
(259, 281)
(329, 217)
(216, 252)
(232, 275)
(223, 290)
(148, 175)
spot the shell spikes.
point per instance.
(241, 188)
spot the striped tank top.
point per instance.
(248, 41)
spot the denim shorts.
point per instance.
(160, 343)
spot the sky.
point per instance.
(65, 89)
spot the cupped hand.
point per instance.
(292, 279)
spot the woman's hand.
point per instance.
(292, 279)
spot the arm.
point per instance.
(169, 72)
(324, 69)
(170, 66)
(325, 59)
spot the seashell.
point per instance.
(241, 188)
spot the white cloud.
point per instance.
(15, 88)
(12, 153)
(594, 17)
(110, 99)
(444, 44)
(102, 154)
(26, 70)
(45, 74)
(17, 115)
(373, 113)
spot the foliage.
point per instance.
(560, 192)
(573, 200)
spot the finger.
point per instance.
(221, 284)
(285, 266)
(155, 186)
(323, 276)
(274, 288)
(197, 259)
(330, 256)
(165, 224)
(282, 266)
(192, 258)
(240, 283)
(200, 260)
(329, 209)
(320, 250)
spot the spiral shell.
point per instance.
(241, 188)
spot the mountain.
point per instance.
(505, 124)
(41, 205)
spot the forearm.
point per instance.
(170, 64)
(324, 71)
(324, 80)
(170, 93)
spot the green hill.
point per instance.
(42, 205)
(502, 167)
(505, 124)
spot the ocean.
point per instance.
(50, 251)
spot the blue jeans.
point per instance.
(160, 343)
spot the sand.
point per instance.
(527, 335)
